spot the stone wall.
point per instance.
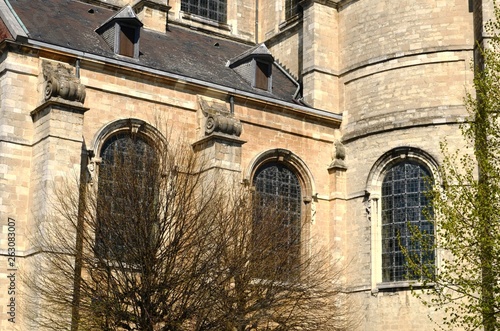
(396, 70)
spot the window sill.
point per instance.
(289, 23)
(402, 286)
(206, 21)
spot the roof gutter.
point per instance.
(229, 90)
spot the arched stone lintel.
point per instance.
(391, 157)
(289, 158)
(133, 126)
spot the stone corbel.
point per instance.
(219, 119)
(60, 82)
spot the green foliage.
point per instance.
(466, 208)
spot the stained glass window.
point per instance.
(278, 189)
(404, 210)
(126, 196)
(212, 9)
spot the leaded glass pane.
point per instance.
(290, 8)
(212, 9)
(278, 188)
(124, 175)
(403, 207)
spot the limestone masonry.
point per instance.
(338, 91)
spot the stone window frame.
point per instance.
(373, 194)
(291, 14)
(304, 176)
(131, 125)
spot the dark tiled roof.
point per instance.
(181, 51)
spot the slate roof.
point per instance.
(181, 51)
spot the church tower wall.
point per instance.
(404, 70)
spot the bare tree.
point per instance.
(268, 280)
(161, 242)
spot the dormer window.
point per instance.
(262, 75)
(127, 42)
(122, 32)
(255, 66)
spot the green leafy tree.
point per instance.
(466, 208)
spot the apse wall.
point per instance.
(405, 68)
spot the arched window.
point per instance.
(404, 211)
(278, 215)
(126, 196)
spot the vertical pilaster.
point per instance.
(56, 162)
(337, 198)
(56, 152)
(320, 55)
(219, 148)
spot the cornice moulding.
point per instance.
(59, 51)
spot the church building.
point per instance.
(346, 100)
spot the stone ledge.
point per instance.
(218, 137)
(372, 129)
(72, 106)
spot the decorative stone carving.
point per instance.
(218, 119)
(61, 82)
(222, 123)
(370, 203)
(313, 212)
(92, 166)
(368, 207)
(339, 161)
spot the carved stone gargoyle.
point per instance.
(61, 82)
(218, 119)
